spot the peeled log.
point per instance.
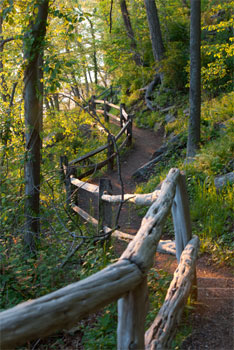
(132, 310)
(142, 249)
(61, 309)
(161, 332)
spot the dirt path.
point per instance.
(212, 318)
(145, 143)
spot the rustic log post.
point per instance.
(110, 151)
(132, 310)
(61, 163)
(106, 110)
(122, 119)
(182, 222)
(129, 131)
(73, 189)
(181, 216)
(66, 172)
(104, 208)
(64, 175)
(111, 93)
(160, 334)
(92, 104)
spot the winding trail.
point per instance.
(213, 316)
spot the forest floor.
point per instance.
(212, 317)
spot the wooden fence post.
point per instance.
(106, 110)
(93, 104)
(104, 208)
(61, 162)
(122, 106)
(66, 172)
(132, 310)
(110, 151)
(111, 93)
(129, 131)
(181, 216)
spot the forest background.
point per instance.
(88, 47)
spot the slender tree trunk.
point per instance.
(130, 33)
(3, 82)
(56, 101)
(75, 88)
(195, 79)
(7, 99)
(86, 81)
(155, 30)
(95, 65)
(157, 47)
(33, 106)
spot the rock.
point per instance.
(221, 181)
(169, 118)
(143, 172)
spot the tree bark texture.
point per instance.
(95, 64)
(181, 217)
(62, 308)
(130, 33)
(160, 334)
(155, 30)
(142, 249)
(195, 79)
(33, 106)
(132, 310)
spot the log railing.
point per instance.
(124, 120)
(125, 280)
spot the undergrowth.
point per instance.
(211, 209)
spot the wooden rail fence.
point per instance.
(124, 281)
(125, 123)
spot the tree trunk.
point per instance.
(33, 106)
(155, 30)
(157, 47)
(5, 123)
(195, 79)
(130, 33)
(95, 65)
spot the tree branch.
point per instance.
(3, 42)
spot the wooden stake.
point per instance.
(110, 151)
(122, 119)
(181, 216)
(132, 309)
(129, 131)
(104, 208)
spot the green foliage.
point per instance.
(217, 48)
(102, 334)
(211, 210)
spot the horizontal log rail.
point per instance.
(107, 103)
(138, 199)
(124, 280)
(88, 155)
(124, 128)
(125, 123)
(164, 246)
(108, 114)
